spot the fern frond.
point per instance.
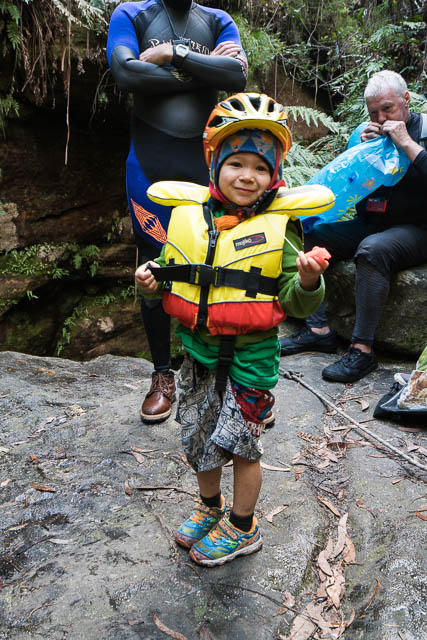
(14, 35)
(313, 116)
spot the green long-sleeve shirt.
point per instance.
(257, 355)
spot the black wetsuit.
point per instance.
(171, 106)
(170, 110)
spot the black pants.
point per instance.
(378, 252)
(156, 321)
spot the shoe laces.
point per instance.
(162, 382)
(351, 355)
(201, 513)
(302, 332)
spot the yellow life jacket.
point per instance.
(227, 281)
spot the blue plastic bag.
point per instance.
(357, 172)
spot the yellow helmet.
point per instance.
(245, 111)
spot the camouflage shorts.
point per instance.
(212, 429)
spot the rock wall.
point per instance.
(402, 328)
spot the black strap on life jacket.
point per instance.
(252, 282)
(205, 275)
(225, 358)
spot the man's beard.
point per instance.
(178, 5)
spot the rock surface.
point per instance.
(402, 328)
(86, 555)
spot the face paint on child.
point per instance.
(243, 178)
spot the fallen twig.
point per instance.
(159, 487)
(289, 375)
(372, 598)
(168, 632)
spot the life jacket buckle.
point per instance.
(202, 274)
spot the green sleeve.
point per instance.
(296, 301)
(162, 263)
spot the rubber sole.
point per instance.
(291, 352)
(332, 378)
(244, 551)
(159, 417)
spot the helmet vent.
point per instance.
(236, 104)
(216, 121)
(271, 106)
(255, 102)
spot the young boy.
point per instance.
(228, 273)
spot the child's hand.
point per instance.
(310, 269)
(145, 279)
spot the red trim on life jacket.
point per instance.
(227, 318)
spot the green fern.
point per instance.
(313, 116)
(8, 105)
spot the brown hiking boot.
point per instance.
(157, 405)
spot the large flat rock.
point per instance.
(94, 557)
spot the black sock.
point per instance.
(215, 501)
(244, 523)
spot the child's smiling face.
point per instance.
(243, 178)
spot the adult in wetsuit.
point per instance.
(173, 55)
(388, 234)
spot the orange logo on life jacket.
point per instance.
(150, 224)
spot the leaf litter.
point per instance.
(323, 618)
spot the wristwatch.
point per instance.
(181, 49)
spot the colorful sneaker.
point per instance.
(224, 543)
(201, 521)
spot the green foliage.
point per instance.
(8, 105)
(35, 35)
(87, 311)
(31, 261)
(260, 45)
(88, 255)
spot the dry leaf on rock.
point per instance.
(169, 632)
(363, 403)
(18, 527)
(362, 505)
(334, 589)
(351, 618)
(270, 467)
(149, 487)
(42, 487)
(342, 534)
(298, 472)
(302, 629)
(349, 552)
(133, 448)
(421, 516)
(372, 598)
(128, 489)
(323, 563)
(323, 464)
(329, 504)
(138, 457)
(275, 512)
(5, 482)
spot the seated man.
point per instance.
(388, 234)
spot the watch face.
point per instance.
(181, 49)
